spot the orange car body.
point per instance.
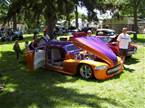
(103, 62)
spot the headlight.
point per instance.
(101, 67)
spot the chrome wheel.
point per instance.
(85, 71)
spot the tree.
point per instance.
(90, 5)
(130, 8)
(135, 6)
(50, 9)
(4, 4)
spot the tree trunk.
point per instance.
(135, 28)
(68, 20)
(15, 22)
(51, 21)
(76, 16)
(89, 18)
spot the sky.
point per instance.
(107, 15)
(82, 10)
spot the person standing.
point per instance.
(123, 41)
(17, 49)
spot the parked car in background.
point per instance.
(109, 36)
(71, 30)
(110, 32)
(10, 34)
(59, 30)
(17, 35)
(113, 44)
(106, 32)
(131, 32)
(88, 56)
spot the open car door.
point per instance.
(39, 59)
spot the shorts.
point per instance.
(123, 52)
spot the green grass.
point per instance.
(46, 89)
(141, 38)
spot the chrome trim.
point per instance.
(113, 70)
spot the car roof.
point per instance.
(59, 43)
(109, 30)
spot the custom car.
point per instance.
(88, 56)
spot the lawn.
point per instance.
(46, 89)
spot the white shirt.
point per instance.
(124, 40)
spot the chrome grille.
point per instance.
(113, 70)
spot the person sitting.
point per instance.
(33, 45)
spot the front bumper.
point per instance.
(108, 73)
(113, 70)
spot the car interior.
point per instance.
(55, 56)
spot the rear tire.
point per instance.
(85, 71)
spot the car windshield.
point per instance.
(71, 47)
(105, 39)
(111, 33)
(108, 33)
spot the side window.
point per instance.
(106, 33)
(100, 33)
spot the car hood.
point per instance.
(97, 47)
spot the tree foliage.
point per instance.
(4, 5)
(133, 8)
(50, 9)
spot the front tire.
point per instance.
(85, 71)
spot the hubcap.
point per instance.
(85, 71)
